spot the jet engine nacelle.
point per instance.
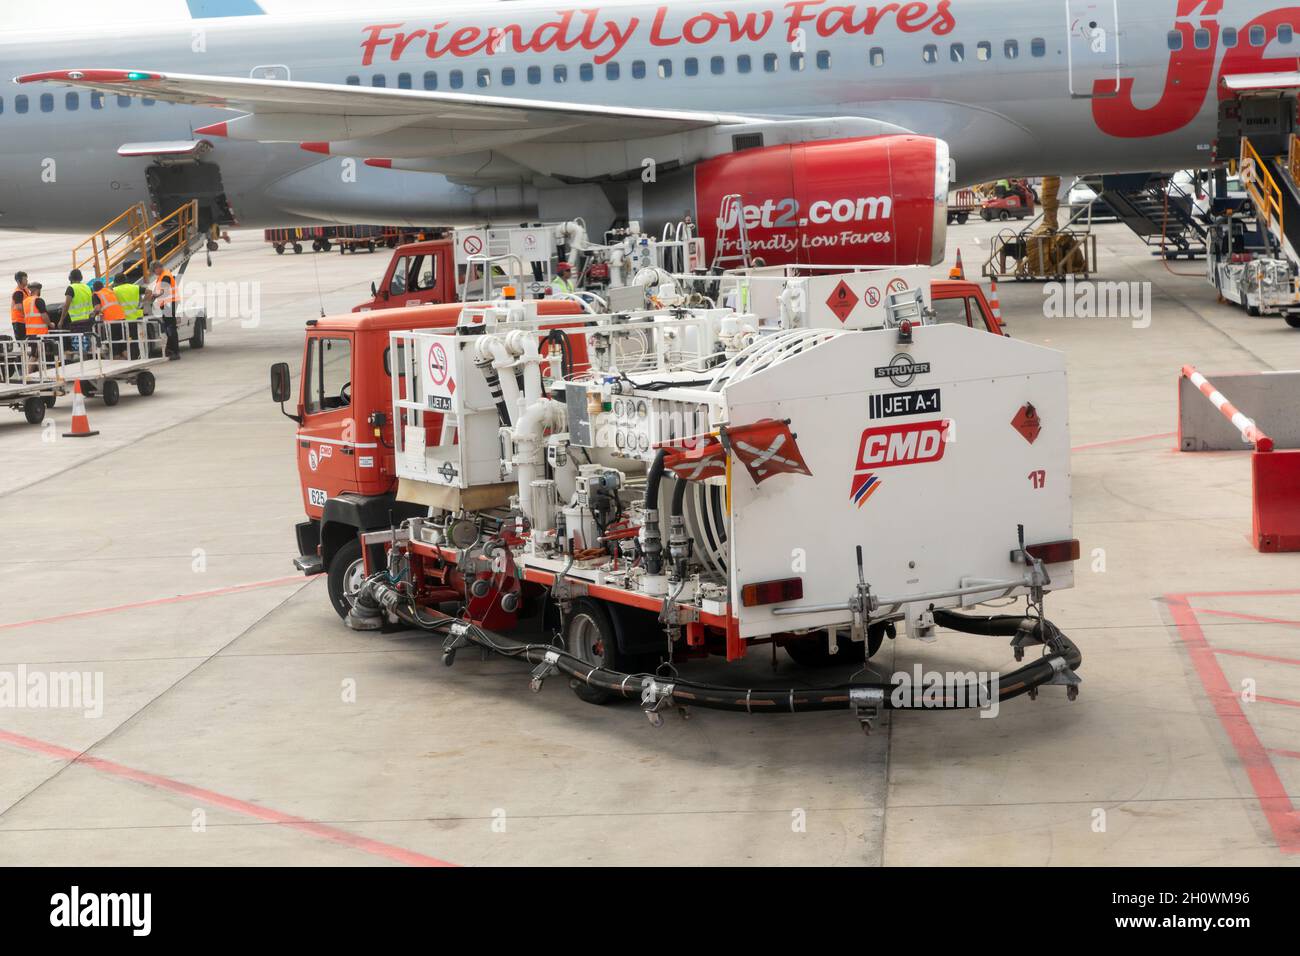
(881, 200)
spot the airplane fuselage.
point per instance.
(1016, 87)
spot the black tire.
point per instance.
(1253, 311)
(326, 245)
(279, 250)
(1293, 321)
(345, 564)
(297, 248)
(111, 392)
(51, 401)
(986, 215)
(963, 218)
(34, 410)
(590, 636)
(200, 330)
(1003, 216)
(145, 383)
(370, 247)
(812, 651)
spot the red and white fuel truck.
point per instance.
(797, 457)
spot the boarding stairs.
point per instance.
(1160, 212)
(134, 241)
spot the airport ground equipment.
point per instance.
(1252, 411)
(1035, 253)
(117, 353)
(962, 204)
(684, 481)
(30, 376)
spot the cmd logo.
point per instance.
(917, 443)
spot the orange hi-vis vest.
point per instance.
(110, 309)
(33, 318)
(16, 310)
(164, 295)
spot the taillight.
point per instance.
(1054, 552)
(771, 592)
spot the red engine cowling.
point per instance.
(878, 201)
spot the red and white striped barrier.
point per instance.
(1250, 432)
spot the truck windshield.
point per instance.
(414, 274)
(327, 383)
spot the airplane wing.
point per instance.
(292, 111)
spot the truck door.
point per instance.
(329, 438)
(1093, 47)
(415, 280)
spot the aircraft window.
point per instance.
(20, 104)
(431, 80)
(403, 81)
(72, 101)
(1258, 36)
(353, 80)
(47, 102)
(484, 78)
(1229, 37)
(717, 65)
(2, 105)
(1285, 33)
(1201, 39)
(665, 69)
(1011, 49)
(984, 51)
(534, 75)
(96, 100)
(560, 73)
(957, 52)
(877, 56)
(692, 66)
(1038, 46)
(507, 76)
(796, 62)
(611, 70)
(823, 59)
(638, 69)
(1175, 40)
(145, 101)
(930, 54)
(124, 101)
(586, 72)
(743, 63)
(379, 80)
(769, 62)
(455, 79)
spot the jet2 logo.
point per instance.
(918, 443)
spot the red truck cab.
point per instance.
(419, 273)
(963, 303)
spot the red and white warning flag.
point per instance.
(698, 459)
(766, 448)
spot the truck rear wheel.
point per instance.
(1293, 321)
(590, 637)
(813, 651)
(346, 572)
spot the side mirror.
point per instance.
(281, 383)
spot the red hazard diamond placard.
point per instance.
(1027, 423)
(842, 301)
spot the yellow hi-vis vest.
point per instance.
(128, 293)
(83, 302)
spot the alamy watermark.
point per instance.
(24, 689)
(1072, 299)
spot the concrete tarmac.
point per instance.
(241, 723)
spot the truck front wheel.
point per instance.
(346, 572)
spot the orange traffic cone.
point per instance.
(994, 304)
(958, 271)
(80, 423)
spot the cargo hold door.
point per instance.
(1092, 47)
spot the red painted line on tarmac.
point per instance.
(324, 832)
(1123, 441)
(1284, 701)
(1192, 594)
(1274, 801)
(1260, 657)
(1287, 753)
(156, 602)
(1245, 617)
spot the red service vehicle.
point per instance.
(419, 273)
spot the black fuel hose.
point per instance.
(679, 498)
(654, 561)
(1063, 654)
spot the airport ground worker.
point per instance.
(36, 320)
(562, 284)
(163, 295)
(78, 304)
(110, 312)
(16, 304)
(130, 295)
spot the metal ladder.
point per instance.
(729, 202)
